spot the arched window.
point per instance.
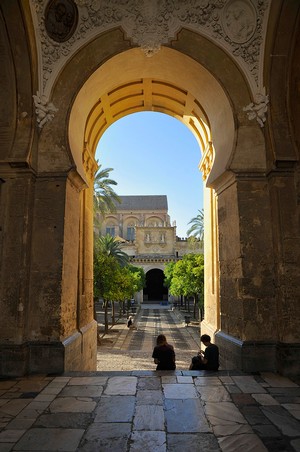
(111, 230)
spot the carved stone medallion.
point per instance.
(61, 17)
(236, 25)
(239, 20)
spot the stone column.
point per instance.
(249, 317)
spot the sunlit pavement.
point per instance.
(145, 410)
(124, 349)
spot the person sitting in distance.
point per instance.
(208, 359)
(130, 324)
(163, 354)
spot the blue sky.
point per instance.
(155, 154)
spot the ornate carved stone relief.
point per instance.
(236, 25)
(258, 109)
(89, 163)
(44, 109)
(61, 18)
(207, 160)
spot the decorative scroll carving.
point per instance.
(207, 160)
(89, 163)
(44, 109)
(258, 109)
(237, 25)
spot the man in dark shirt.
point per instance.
(207, 360)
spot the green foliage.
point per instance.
(105, 269)
(139, 278)
(104, 195)
(109, 246)
(197, 228)
(186, 277)
(125, 283)
(195, 245)
(114, 278)
(168, 272)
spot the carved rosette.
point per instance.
(236, 25)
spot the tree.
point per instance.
(108, 261)
(186, 278)
(131, 279)
(104, 195)
(197, 228)
(105, 281)
(109, 246)
(168, 272)
(139, 278)
(114, 278)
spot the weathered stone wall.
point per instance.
(45, 325)
(256, 283)
(16, 222)
(44, 316)
(286, 245)
(230, 261)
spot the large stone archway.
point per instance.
(206, 73)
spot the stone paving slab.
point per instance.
(245, 443)
(139, 409)
(157, 411)
(148, 442)
(147, 397)
(149, 417)
(115, 409)
(196, 442)
(50, 439)
(108, 437)
(185, 416)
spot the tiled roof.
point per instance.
(143, 202)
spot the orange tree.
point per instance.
(186, 277)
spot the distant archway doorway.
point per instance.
(155, 290)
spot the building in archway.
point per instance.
(229, 70)
(143, 225)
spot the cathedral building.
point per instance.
(142, 224)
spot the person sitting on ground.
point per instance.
(207, 360)
(130, 324)
(163, 354)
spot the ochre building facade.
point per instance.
(229, 70)
(143, 227)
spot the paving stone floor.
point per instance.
(123, 349)
(149, 411)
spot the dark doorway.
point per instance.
(155, 290)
